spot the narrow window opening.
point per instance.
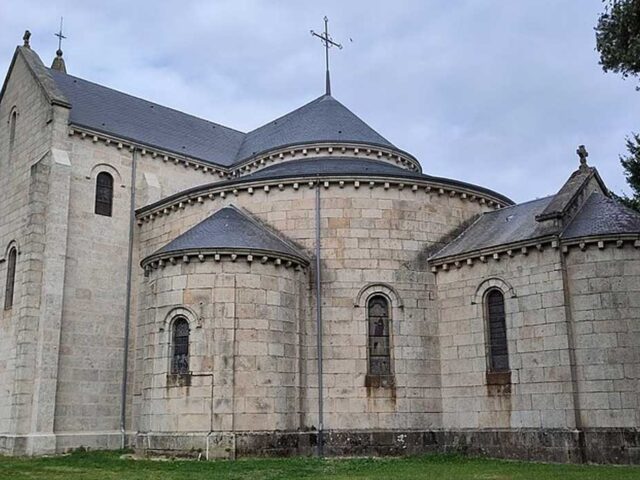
(498, 351)
(180, 354)
(13, 120)
(11, 279)
(104, 194)
(379, 345)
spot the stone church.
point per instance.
(177, 286)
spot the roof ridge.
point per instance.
(56, 72)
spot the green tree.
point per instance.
(618, 42)
(631, 165)
(618, 37)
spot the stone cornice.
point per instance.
(272, 157)
(328, 149)
(508, 251)
(160, 260)
(214, 191)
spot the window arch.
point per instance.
(180, 346)
(11, 278)
(13, 121)
(104, 194)
(498, 352)
(379, 336)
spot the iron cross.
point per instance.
(328, 43)
(60, 36)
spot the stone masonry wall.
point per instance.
(26, 188)
(605, 304)
(369, 237)
(93, 324)
(541, 390)
(245, 340)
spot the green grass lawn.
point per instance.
(111, 465)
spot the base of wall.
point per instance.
(551, 445)
(614, 445)
(49, 444)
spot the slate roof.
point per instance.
(601, 215)
(231, 228)
(323, 119)
(124, 116)
(328, 166)
(500, 227)
(108, 111)
(562, 200)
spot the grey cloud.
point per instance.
(496, 93)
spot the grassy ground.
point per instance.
(111, 465)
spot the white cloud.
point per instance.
(496, 93)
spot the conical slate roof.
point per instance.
(109, 111)
(323, 119)
(231, 228)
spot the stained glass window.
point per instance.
(104, 194)
(379, 346)
(180, 353)
(11, 279)
(498, 352)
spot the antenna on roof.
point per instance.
(58, 62)
(328, 42)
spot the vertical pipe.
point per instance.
(319, 325)
(573, 364)
(127, 313)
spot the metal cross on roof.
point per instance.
(60, 36)
(328, 43)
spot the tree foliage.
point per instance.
(618, 42)
(618, 37)
(631, 165)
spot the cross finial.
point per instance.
(583, 154)
(26, 37)
(60, 38)
(328, 43)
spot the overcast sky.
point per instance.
(497, 93)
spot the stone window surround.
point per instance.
(395, 311)
(12, 121)
(13, 244)
(166, 341)
(10, 278)
(501, 379)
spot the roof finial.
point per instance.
(328, 43)
(26, 37)
(583, 154)
(58, 62)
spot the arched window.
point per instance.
(379, 345)
(180, 346)
(497, 335)
(11, 279)
(13, 120)
(104, 194)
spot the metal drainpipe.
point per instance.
(127, 313)
(319, 326)
(577, 410)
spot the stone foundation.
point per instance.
(620, 446)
